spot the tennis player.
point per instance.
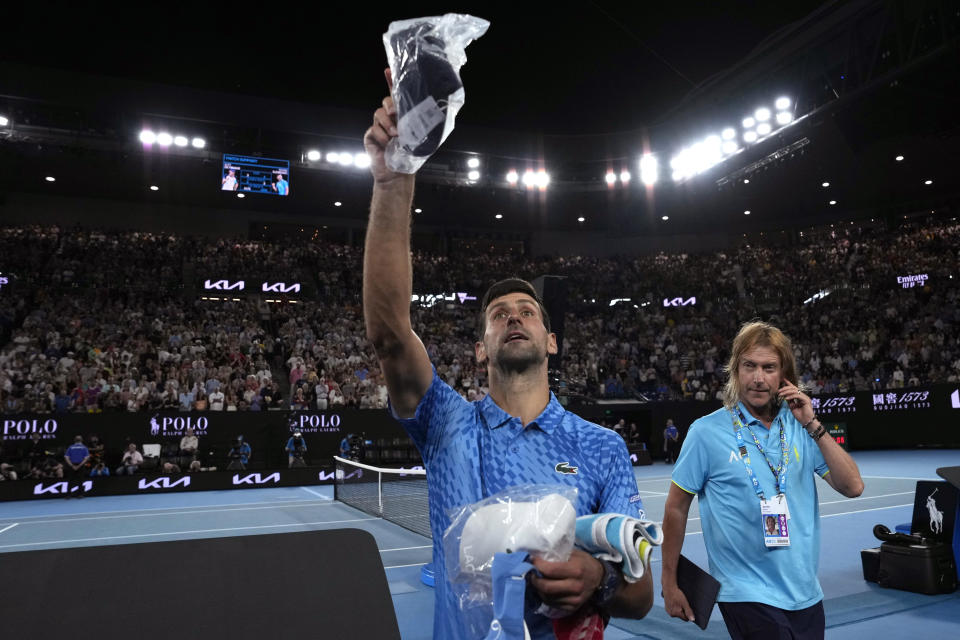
(518, 434)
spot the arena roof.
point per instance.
(579, 92)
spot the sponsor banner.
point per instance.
(251, 286)
(153, 483)
(680, 302)
(307, 422)
(911, 281)
(833, 405)
(24, 428)
(901, 400)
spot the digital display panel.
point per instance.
(249, 174)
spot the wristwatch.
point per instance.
(608, 584)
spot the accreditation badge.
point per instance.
(774, 516)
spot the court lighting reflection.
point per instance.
(648, 169)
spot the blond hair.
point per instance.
(757, 334)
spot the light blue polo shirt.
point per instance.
(472, 450)
(710, 467)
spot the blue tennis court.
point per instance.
(854, 608)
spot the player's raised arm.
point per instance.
(387, 272)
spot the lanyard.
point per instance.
(780, 473)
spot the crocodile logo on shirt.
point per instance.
(564, 467)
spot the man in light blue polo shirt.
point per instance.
(752, 466)
(518, 434)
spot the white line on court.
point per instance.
(304, 502)
(8, 527)
(319, 495)
(900, 478)
(401, 566)
(843, 513)
(427, 546)
(651, 494)
(178, 533)
(847, 513)
(886, 495)
(81, 518)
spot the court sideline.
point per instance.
(855, 608)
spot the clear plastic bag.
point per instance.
(425, 56)
(538, 519)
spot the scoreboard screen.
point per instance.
(250, 174)
(838, 430)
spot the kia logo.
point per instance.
(223, 285)
(679, 302)
(281, 287)
(163, 483)
(256, 478)
(62, 487)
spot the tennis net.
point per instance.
(396, 495)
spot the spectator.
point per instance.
(131, 461)
(189, 444)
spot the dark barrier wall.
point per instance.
(893, 419)
(266, 432)
(902, 418)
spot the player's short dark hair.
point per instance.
(502, 288)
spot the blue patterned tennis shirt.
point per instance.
(472, 450)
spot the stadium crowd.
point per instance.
(113, 321)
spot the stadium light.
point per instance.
(338, 204)
(154, 187)
(928, 182)
(499, 216)
(748, 123)
(181, 141)
(611, 177)
(529, 179)
(746, 181)
(747, 212)
(782, 104)
(543, 179)
(833, 202)
(198, 143)
(361, 161)
(240, 195)
(729, 133)
(333, 157)
(473, 163)
(825, 185)
(147, 136)
(664, 217)
(764, 128)
(473, 175)
(729, 147)
(164, 139)
(648, 169)
(581, 219)
(750, 136)
(625, 176)
(762, 114)
(418, 210)
(512, 177)
(3, 121)
(784, 117)
(50, 179)
(899, 158)
(313, 155)
(345, 159)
